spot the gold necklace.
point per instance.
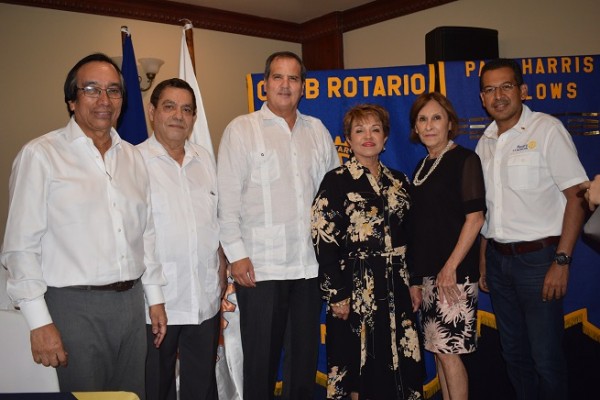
(419, 182)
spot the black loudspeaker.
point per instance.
(457, 43)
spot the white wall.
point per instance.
(526, 28)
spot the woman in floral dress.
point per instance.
(359, 234)
(448, 196)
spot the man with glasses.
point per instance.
(534, 216)
(79, 242)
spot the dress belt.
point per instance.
(115, 287)
(515, 248)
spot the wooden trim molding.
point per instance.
(171, 12)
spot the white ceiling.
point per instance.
(297, 11)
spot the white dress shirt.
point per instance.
(77, 219)
(184, 205)
(268, 177)
(525, 170)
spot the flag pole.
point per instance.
(124, 33)
(189, 40)
(200, 134)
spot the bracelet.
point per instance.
(341, 303)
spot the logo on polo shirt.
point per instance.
(531, 145)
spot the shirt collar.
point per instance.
(74, 132)
(521, 125)
(156, 149)
(357, 169)
(266, 113)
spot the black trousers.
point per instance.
(276, 315)
(196, 346)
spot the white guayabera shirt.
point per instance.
(268, 177)
(184, 205)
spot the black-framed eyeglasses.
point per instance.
(505, 88)
(95, 92)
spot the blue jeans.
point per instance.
(531, 330)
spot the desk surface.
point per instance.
(70, 396)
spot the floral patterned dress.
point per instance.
(358, 230)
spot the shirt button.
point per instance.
(119, 230)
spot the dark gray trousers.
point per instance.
(104, 334)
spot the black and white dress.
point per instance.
(440, 205)
(359, 234)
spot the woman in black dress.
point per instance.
(359, 234)
(448, 211)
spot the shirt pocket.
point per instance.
(265, 164)
(523, 171)
(269, 245)
(204, 204)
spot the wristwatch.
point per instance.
(562, 259)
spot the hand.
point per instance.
(158, 318)
(483, 283)
(47, 347)
(447, 287)
(416, 297)
(242, 272)
(592, 192)
(483, 265)
(340, 311)
(555, 282)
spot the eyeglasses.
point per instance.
(505, 88)
(95, 92)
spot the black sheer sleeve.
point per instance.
(473, 186)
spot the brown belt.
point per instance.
(514, 248)
(115, 287)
